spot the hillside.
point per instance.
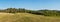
(26, 17)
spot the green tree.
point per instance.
(11, 10)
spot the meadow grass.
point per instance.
(26, 17)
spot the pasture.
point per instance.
(26, 17)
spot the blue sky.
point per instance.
(31, 4)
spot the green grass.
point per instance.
(26, 17)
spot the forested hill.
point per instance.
(38, 12)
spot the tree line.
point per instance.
(36, 12)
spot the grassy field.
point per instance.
(26, 17)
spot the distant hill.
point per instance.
(37, 12)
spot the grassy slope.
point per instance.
(26, 17)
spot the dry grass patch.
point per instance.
(26, 17)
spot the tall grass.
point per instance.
(26, 17)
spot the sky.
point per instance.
(31, 4)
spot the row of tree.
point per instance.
(37, 12)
